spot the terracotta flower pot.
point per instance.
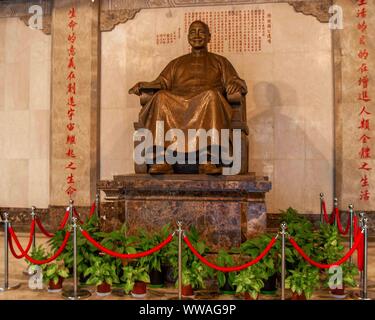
(55, 287)
(296, 296)
(187, 290)
(139, 289)
(103, 289)
(248, 296)
(339, 293)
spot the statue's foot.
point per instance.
(164, 168)
(210, 169)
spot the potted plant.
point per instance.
(84, 248)
(250, 281)
(154, 261)
(225, 279)
(302, 282)
(39, 253)
(302, 231)
(329, 251)
(251, 248)
(120, 242)
(193, 277)
(54, 274)
(135, 278)
(36, 271)
(190, 262)
(102, 274)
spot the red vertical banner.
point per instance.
(71, 91)
(363, 97)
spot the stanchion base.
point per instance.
(183, 298)
(11, 286)
(358, 295)
(80, 294)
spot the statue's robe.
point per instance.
(192, 96)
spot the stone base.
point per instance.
(225, 209)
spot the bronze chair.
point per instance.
(237, 102)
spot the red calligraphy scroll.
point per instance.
(363, 97)
(71, 91)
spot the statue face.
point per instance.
(198, 36)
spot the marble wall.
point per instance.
(25, 73)
(290, 104)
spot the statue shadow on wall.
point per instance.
(277, 131)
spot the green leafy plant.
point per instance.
(255, 246)
(250, 280)
(102, 269)
(331, 250)
(54, 271)
(194, 276)
(149, 240)
(225, 259)
(303, 280)
(84, 248)
(187, 256)
(118, 241)
(39, 253)
(302, 231)
(131, 274)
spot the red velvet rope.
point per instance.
(22, 255)
(125, 255)
(341, 230)
(53, 257)
(62, 225)
(229, 269)
(41, 227)
(326, 266)
(328, 219)
(92, 210)
(77, 215)
(64, 220)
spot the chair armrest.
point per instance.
(147, 92)
(235, 98)
(148, 88)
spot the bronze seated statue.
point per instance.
(200, 90)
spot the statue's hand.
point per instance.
(234, 87)
(136, 88)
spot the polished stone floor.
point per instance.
(16, 268)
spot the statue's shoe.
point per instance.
(164, 168)
(210, 169)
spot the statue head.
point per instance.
(199, 35)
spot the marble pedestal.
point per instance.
(225, 209)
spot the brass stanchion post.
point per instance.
(179, 223)
(33, 216)
(321, 206)
(283, 233)
(364, 293)
(351, 230)
(6, 286)
(75, 294)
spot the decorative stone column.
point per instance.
(84, 124)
